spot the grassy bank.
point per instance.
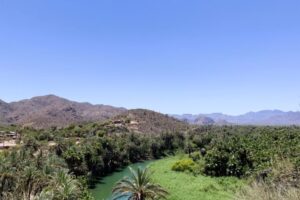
(183, 185)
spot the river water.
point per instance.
(103, 189)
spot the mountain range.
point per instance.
(50, 110)
(264, 117)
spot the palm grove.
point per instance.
(63, 163)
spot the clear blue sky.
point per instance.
(195, 56)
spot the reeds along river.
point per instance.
(103, 189)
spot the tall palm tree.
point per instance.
(138, 187)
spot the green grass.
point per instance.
(183, 185)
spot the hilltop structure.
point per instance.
(8, 139)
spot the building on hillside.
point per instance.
(8, 139)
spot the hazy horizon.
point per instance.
(169, 56)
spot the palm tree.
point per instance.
(29, 183)
(138, 187)
(65, 186)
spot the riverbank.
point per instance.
(180, 185)
(103, 189)
(183, 185)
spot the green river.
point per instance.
(103, 189)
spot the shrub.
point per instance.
(195, 156)
(184, 165)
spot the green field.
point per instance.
(183, 185)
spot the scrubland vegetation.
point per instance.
(63, 163)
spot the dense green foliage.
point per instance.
(242, 151)
(26, 175)
(84, 152)
(229, 157)
(93, 150)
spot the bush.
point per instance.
(184, 165)
(195, 156)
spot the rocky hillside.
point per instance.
(50, 110)
(146, 121)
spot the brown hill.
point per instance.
(147, 121)
(50, 110)
(4, 111)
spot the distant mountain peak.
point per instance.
(202, 120)
(264, 117)
(51, 110)
(2, 102)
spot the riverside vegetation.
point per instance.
(62, 163)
